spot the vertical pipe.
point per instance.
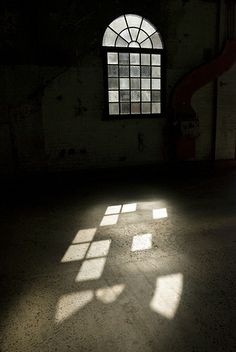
(215, 88)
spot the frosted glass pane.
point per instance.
(109, 38)
(135, 83)
(156, 108)
(146, 44)
(123, 58)
(112, 58)
(134, 33)
(124, 83)
(135, 108)
(142, 36)
(114, 109)
(146, 95)
(156, 83)
(133, 20)
(134, 71)
(145, 59)
(145, 71)
(121, 42)
(124, 71)
(156, 59)
(148, 27)
(125, 95)
(134, 45)
(125, 34)
(156, 95)
(146, 108)
(113, 96)
(156, 41)
(135, 95)
(112, 70)
(112, 83)
(125, 108)
(156, 71)
(134, 59)
(118, 24)
(145, 83)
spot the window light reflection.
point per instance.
(99, 249)
(91, 269)
(71, 303)
(109, 220)
(113, 209)
(75, 252)
(85, 235)
(142, 242)
(128, 208)
(109, 294)
(167, 295)
(159, 213)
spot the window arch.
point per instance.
(133, 49)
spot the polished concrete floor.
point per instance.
(121, 261)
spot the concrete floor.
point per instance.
(170, 288)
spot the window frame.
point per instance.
(161, 52)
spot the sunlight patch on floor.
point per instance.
(75, 252)
(91, 269)
(109, 294)
(109, 220)
(159, 213)
(142, 242)
(99, 249)
(85, 235)
(167, 295)
(71, 303)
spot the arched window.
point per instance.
(133, 50)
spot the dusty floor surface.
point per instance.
(134, 279)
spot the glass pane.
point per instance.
(156, 84)
(156, 71)
(145, 83)
(156, 59)
(156, 41)
(134, 71)
(124, 71)
(118, 24)
(146, 44)
(125, 34)
(112, 58)
(113, 83)
(112, 70)
(146, 108)
(146, 95)
(134, 59)
(114, 109)
(134, 33)
(148, 27)
(121, 42)
(142, 36)
(135, 95)
(145, 71)
(124, 83)
(125, 108)
(109, 38)
(145, 59)
(133, 20)
(135, 108)
(156, 95)
(124, 95)
(156, 108)
(113, 96)
(123, 58)
(135, 83)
